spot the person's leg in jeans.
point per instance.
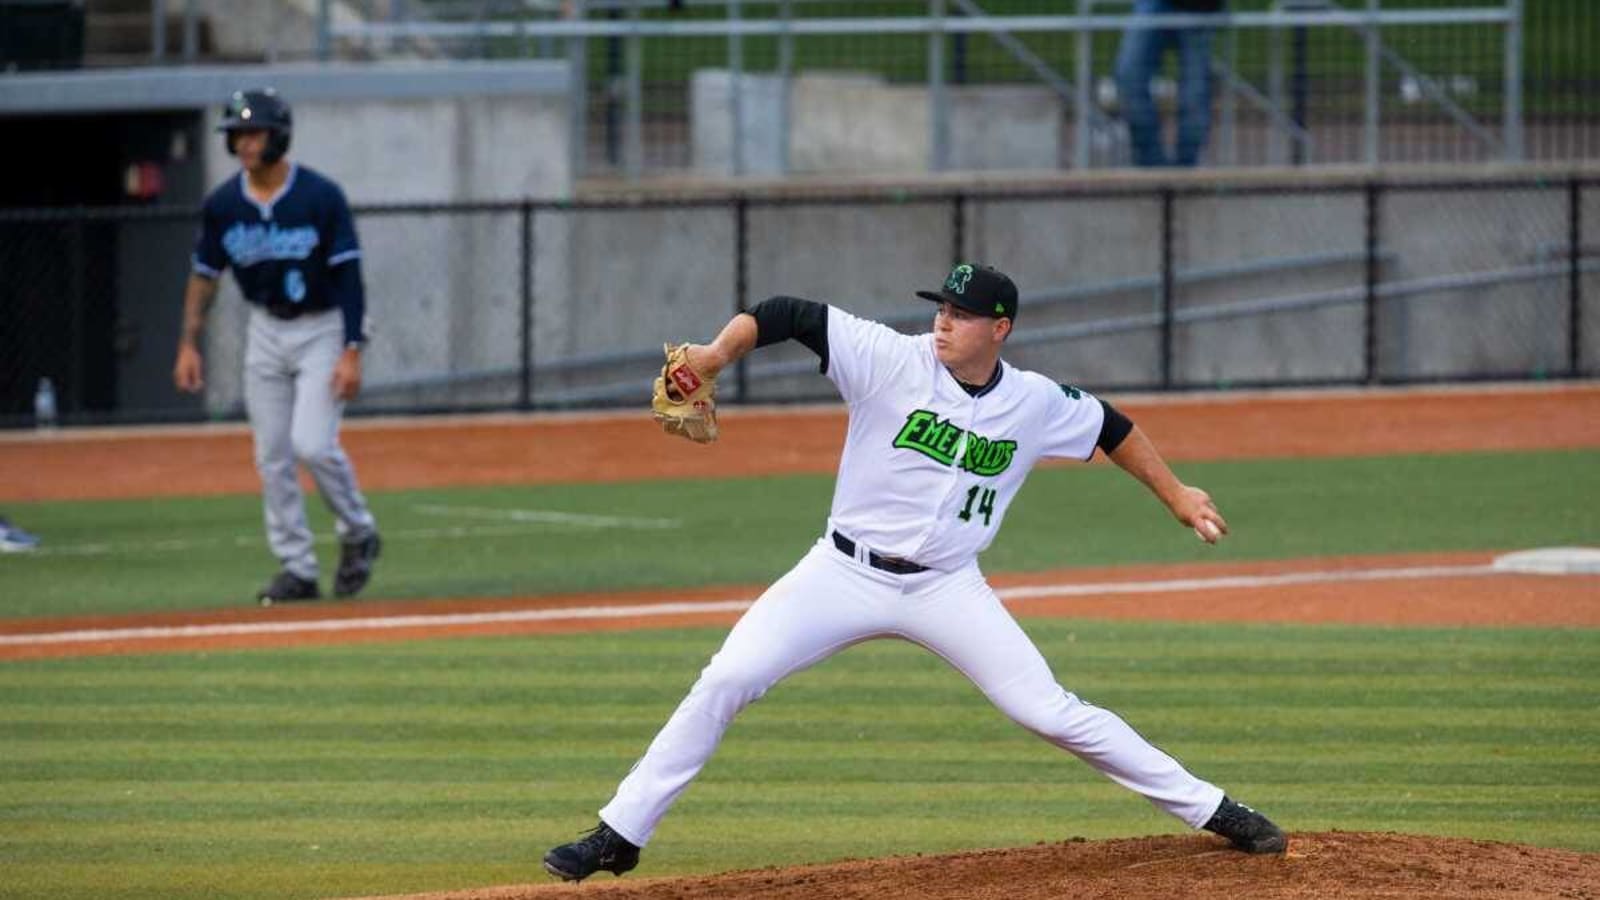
(1138, 60)
(1194, 94)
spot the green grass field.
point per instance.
(340, 771)
(446, 764)
(169, 554)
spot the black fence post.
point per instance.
(1168, 287)
(71, 377)
(958, 54)
(1370, 324)
(613, 47)
(1298, 84)
(741, 280)
(958, 229)
(525, 396)
(1574, 279)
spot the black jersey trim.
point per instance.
(1114, 430)
(781, 318)
(978, 390)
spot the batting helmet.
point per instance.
(259, 110)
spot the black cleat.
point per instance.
(355, 565)
(599, 848)
(287, 587)
(1247, 829)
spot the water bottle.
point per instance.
(44, 405)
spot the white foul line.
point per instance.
(454, 620)
(514, 522)
(1240, 581)
(372, 623)
(546, 516)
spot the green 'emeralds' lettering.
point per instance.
(938, 439)
(987, 457)
(921, 433)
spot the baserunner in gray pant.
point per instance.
(288, 234)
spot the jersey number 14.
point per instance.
(982, 496)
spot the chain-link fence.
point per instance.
(741, 87)
(538, 305)
(1296, 82)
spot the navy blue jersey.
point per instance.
(297, 252)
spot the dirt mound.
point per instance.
(1322, 865)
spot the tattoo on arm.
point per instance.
(197, 299)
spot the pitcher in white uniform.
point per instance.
(941, 434)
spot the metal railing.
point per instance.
(1307, 82)
(1287, 138)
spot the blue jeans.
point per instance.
(1138, 60)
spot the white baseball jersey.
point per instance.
(928, 470)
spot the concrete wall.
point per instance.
(860, 124)
(271, 30)
(667, 274)
(1518, 327)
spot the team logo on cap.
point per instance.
(959, 276)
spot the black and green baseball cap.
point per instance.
(984, 290)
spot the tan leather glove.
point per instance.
(685, 403)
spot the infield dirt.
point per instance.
(1324, 865)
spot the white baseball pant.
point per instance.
(828, 602)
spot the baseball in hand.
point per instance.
(1207, 530)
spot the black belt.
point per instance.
(886, 563)
(288, 311)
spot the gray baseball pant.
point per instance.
(288, 394)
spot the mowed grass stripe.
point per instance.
(396, 768)
(1066, 516)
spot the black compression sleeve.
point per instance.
(781, 318)
(1114, 429)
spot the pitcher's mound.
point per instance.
(1337, 864)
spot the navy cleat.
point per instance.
(355, 565)
(599, 848)
(1247, 829)
(287, 587)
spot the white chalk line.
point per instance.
(516, 521)
(461, 620)
(371, 623)
(1242, 581)
(548, 517)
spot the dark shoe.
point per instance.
(287, 587)
(599, 848)
(355, 565)
(1247, 829)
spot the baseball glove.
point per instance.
(685, 403)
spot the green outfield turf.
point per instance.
(447, 764)
(128, 556)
